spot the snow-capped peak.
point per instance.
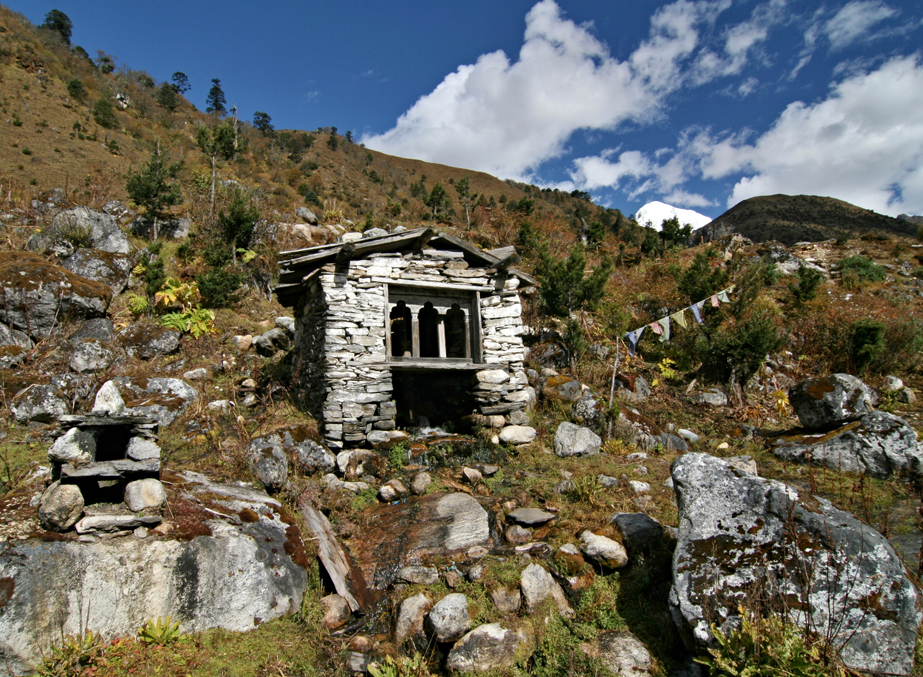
(656, 213)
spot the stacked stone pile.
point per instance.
(106, 473)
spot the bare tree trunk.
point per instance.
(213, 185)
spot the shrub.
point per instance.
(563, 286)
(219, 286)
(735, 352)
(77, 234)
(104, 114)
(866, 343)
(864, 268)
(809, 281)
(154, 277)
(75, 89)
(703, 277)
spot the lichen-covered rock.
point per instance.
(90, 355)
(575, 440)
(268, 462)
(75, 445)
(538, 585)
(830, 401)
(487, 647)
(272, 341)
(603, 550)
(111, 269)
(741, 535)
(448, 620)
(164, 399)
(563, 388)
(147, 340)
(37, 295)
(623, 653)
(408, 622)
(586, 409)
(308, 455)
(41, 403)
(14, 346)
(879, 444)
(78, 225)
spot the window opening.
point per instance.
(456, 344)
(432, 325)
(429, 330)
(401, 331)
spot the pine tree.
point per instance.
(238, 222)
(58, 21)
(167, 97)
(180, 82)
(152, 187)
(263, 122)
(564, 287)
(215, 102)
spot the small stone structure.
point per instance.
(406, 329)
(106, 475)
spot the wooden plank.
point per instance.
(397, 282)
(346, 577)
(438, 363)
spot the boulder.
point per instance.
(268, 462)
(537, 586)
(90, 355)
(272, 341)
(623, 653)
(144, 494)
(713, 397)
(306, 454)
(420, 483)
(632, 387)
(81, 226)
(392, 490)
(448, 620)
(36, 295)
(640, 533)
(418, 575)
(487, 647)
(530, 517)
(164, 399)
(408, 622)
(879, 444)
(60, 507)
(112, 270)
(336, 611)
(14, 346)
(41, 403)
(421, 526)
(830, 401)
(142, 449)
(178, 229)
(74, 446)
(563, 388)
(586, 409)
(232, 575)
(98, 328)
(307, 215)
(147, 340)
(575, 440)
(517, 434)
(507, 600)
(603, 550)
(741, 535)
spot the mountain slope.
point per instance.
(800, 218)
(656, 212)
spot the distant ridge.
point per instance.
(799, 218)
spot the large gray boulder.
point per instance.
(741, 536)
(879, 444)
(237, 576)
(147, 340)
(295, 441)
(112, 269)
(449, 619)
(575, 440)
(39, 403)
(268, 461)
(14, 346)
(36, 295)
(829, 401)
(81, 226)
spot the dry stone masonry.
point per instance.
(404, 330)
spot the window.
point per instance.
(432, 325)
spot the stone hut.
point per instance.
(410, 329)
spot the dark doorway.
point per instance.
(436, 399)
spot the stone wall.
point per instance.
(341, 371)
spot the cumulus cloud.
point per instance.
(859, 145)
(855, 20)
(508, 117)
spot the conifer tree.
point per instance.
(467, 198)
(564, 287)
(216, 143)
(152, 187)
(180, 82)
(215, 102)
(58, 21)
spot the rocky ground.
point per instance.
(595, 537)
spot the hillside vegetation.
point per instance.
(851, 303)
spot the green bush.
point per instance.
(866, 343)
(808, 281)
(734, 352)
(219, 287)
(864, 269)
(703, 277)
(104, 114)
(154, 277)
(75, 89)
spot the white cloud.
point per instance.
(686, 199)
(859, 145)
(507, 117)
(854, 20)
(740, 42)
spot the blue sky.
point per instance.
(698, 104)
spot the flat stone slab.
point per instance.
(408, 532)
(530, 517)
(111, 470)
(109, 523)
